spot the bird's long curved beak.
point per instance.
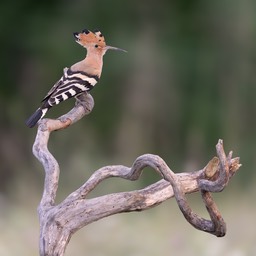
(114, 48)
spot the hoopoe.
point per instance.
(80, 77)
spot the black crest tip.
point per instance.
(86, 31)
(75, 34)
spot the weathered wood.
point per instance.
(59, 222)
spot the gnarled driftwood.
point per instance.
(59, 222)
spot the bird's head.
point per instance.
(94, 41)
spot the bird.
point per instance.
(80, 77)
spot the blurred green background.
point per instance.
(187, 80)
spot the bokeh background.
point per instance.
(187, 80)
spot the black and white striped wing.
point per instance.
(57, 84)
(70, 85)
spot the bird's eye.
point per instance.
(96, 46)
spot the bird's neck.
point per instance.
(91, 64)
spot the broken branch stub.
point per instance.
(59, 221)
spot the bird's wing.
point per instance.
(56, 85)
(71, 84)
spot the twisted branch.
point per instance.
(59, 222)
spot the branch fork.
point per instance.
(59, 221)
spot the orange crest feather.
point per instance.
(87, 37)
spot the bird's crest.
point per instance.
(89, 38)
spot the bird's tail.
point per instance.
(33, 119)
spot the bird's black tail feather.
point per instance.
(32, 120)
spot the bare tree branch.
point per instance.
(59, 222)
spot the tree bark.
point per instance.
(59, 222)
